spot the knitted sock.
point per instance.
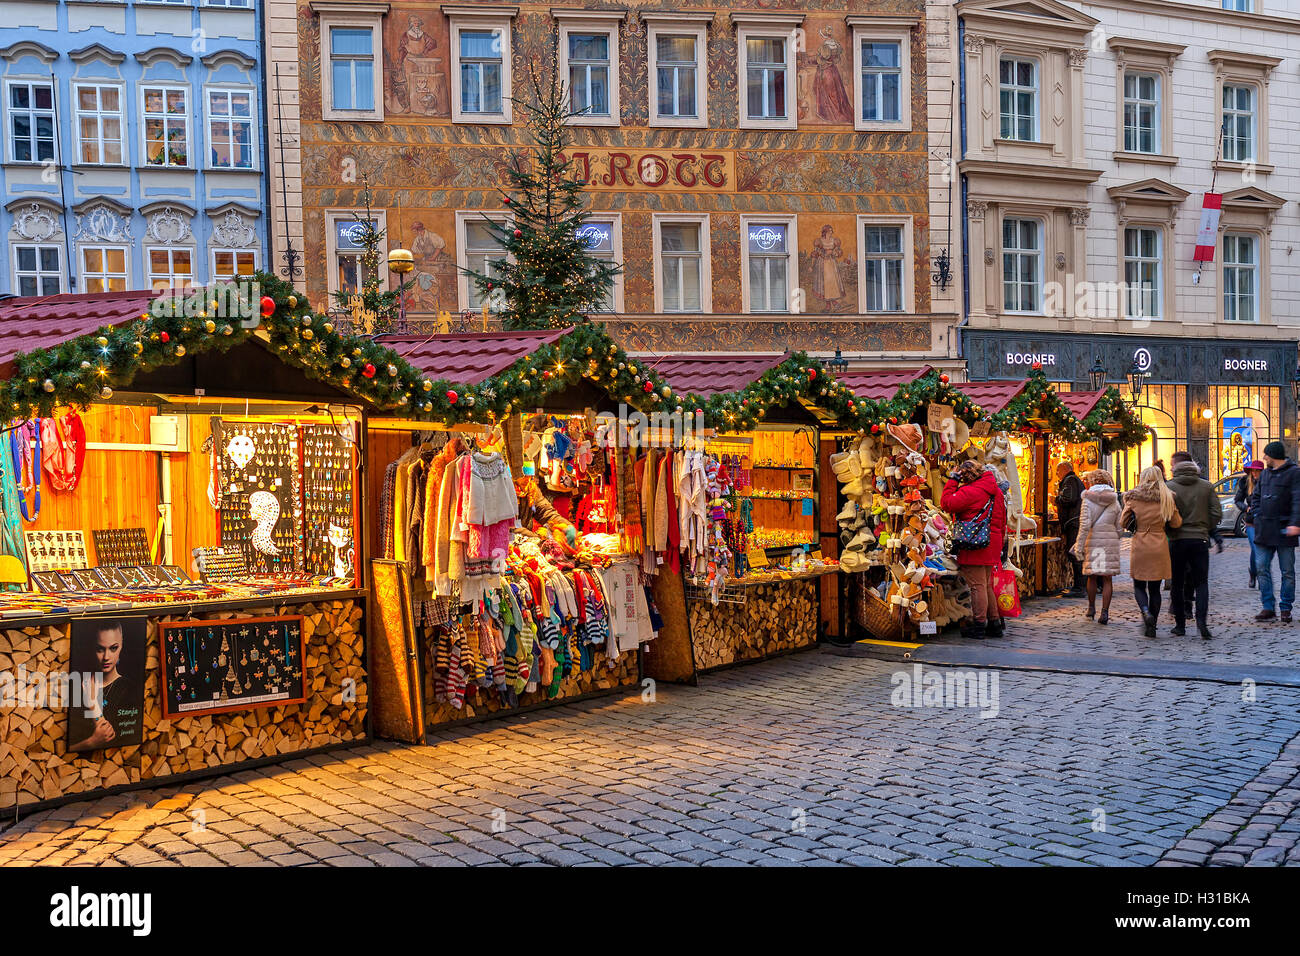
(548, 668)
(456, 680)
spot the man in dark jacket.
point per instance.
(1069, 497)
(1189, 544)
(1275, 515)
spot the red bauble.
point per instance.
(164, 337)
(1037, 366)
(812, 374)
(368, 371)
(518, 233)
(944, 379)
(875, 428)
(648, 386)
(268, 306)
(452, 396)
(893, 419)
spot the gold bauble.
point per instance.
(293, 301)
(48, 385)
(210, 326)
(105, 392)
(307, 333)
(428, 385)
(180, 351)
(102, 342)
(345, 361)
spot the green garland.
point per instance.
(88, 368)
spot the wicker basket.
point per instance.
(877, 617)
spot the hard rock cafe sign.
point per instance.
(666, 169)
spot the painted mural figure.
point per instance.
(826, 254)
(417, 83)
(823, 83)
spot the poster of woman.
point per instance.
(1238, 444)
(107, 656)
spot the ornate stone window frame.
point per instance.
(616, 227)
(1151, 203)
(792, 261)
(1249, 69)
(501, 20)
(1251, 211)
(909, 261)
(608, 22)
(706, 259)
(696, 25)
(758, 24)
(892, 30)
(1146, 56)
(463, 217)
(359, 15)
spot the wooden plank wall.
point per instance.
(382, 447)
(120, 489)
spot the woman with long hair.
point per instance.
(1154, 509)
(1097, 545)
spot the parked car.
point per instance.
(1233, 521)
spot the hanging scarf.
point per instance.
(11, 538)
(65, 450)
(629, 503)
(27, 466)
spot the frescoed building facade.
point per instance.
(132, 151)
(771, 174)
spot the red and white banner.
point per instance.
(1207, 236)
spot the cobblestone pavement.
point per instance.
(802, 760)
(1060, 625)
(799, 760)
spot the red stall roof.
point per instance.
(469, 358)
(40, 322)
(880, 384)
(708, 373)
(1081, 403)
(992, 397)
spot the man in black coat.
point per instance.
(1069, 499)
(1275, 516)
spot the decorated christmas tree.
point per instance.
(548, 276)
(373, 310)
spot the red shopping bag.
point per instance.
(1007, 591)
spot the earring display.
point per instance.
(218, 564)
(116, 546)
(259, 473)
(214, 667)
(327, 470)
(55, 550)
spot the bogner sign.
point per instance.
(1045, 359)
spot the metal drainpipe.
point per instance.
(965, 228)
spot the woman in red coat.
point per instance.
(966, 495)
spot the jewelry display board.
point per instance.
(117, 546)
(215, 667)
(218, 564)
(260, 511)
(55, 550)
(327, 474)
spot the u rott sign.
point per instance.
(665, 169)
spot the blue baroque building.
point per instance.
(132, 150)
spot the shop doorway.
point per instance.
(1239, 437)
(1160, 444)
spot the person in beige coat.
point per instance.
(1154, 510)
(1097, 545)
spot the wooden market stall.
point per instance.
(562, 446)
(764, 584)
(181, 500)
